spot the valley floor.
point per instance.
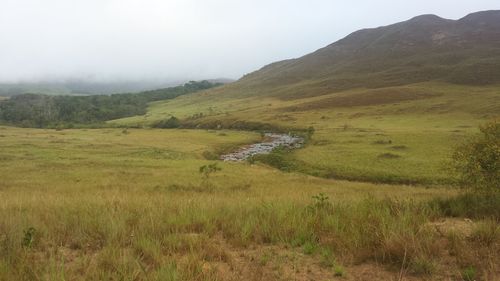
(401, 134)
(131, 204)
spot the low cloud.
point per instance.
(103, 40)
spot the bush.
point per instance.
(470, 205)
(170, 123)
(277, 159)
(29, 237)
(209, 155)
(478, 160)
(207, 170)
(339, 271)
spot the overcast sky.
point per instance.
(185, 39)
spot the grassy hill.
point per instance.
(387, 104)
(420, 59)
(419, 124)
(425, 48)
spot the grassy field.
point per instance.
(370, 196)
(130, 204)
(115, 204)
(395, 135)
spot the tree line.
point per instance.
(45, 111)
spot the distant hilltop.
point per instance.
(424, 48)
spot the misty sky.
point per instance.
(184, 39)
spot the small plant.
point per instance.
(264, 259)
(207, 170)
(487, 233)
(423, 266)
(29, 237)
(327, 258)
(168, 272)
(320, 202)
(338, 271)
(469, 273)
(310, 131)
(309, 248)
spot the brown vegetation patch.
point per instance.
(382, 142)
(400, 147)
(389, 156)
(366, 98)
(276, 263)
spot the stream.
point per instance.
(271, 141)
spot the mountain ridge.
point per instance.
(423, 48)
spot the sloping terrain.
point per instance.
(419, 59)
(425, 48)
(419, 124)
(411, 91)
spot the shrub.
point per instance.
(310, 132)
(277, 159)
(207, 170)
(209, 155)
(170, 123)
(309, 248)
(29, 237)
(469, 205)
(339, 271)
(321, 203)
(478, 160)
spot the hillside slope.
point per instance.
(426, 58)
(386, 104)
(465, 51)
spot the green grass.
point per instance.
(131, 204)
(395, 141)
(103, 204)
